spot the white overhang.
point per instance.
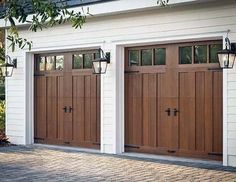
(121, 6)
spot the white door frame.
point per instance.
(120, 101)
(29, 82)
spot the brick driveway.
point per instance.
(43, 164)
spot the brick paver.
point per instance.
(43, 164)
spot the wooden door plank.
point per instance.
(200, 111)
(60, 108)
(164, 123)
(78, 105)
(218, 112)
(51, 85)
(153, 107)
(98, 119)
(187, 111)
(87, 107)
(145, 110)
(208, 112)
(130, 110)
(93, 108)
(137, 106)
(40, 107)
(127, 109)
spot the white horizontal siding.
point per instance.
(159, 24)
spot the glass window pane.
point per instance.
(59, 62)
(96, 55)
(50, 63)
(133, 57)
(146, 57)
(213, 52)
(160, 56)
(42, 64)
(78, 61)
(185, 55)
(200, 54)
(88, 58)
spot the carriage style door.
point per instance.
(67, 99)
(173, 100)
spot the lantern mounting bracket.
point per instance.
(14, 62)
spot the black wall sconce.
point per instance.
(226, 56)
(100, 64)
(8, 66)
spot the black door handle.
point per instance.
(70, 109)
(65, 109)
(168, 111)
(175, 111)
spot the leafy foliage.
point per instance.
(2, 115)
(39, 14)
(3, 139)
(163, 2)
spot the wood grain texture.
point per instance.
(75, 89)
(193, 90)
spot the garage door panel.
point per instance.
(98, 105)
(218, 110)
(134, 110)
(72, 102)
(149, 109)
(87, 107)
(187, 108)
(200, 111)
(94, 108)
(40, 107)
(181, 100)
(52, 107)
(60, 108)
(78, 105)
(208, 110)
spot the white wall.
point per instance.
(171, 24)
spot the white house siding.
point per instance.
(189, 22)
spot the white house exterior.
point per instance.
(115, 26)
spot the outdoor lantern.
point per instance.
(8, 66)
(100, 64)
(227, 56)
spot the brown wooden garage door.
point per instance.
(67, 99)
(173, 100)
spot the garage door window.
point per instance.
(147, 57)
(199, 53)
(133, 58)
(84, 60)
(185, 55)
(160, 56)
(50, 63)
(214, 48)
(42, 64)
(59, 63)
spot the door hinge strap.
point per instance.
(171, 151)
(96, 143)
(132, 146)
(36, 138)
(131, 71)
(215, 153)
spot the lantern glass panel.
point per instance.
(226, 60)
(7, 71)
(231, 60)
(99, 66)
